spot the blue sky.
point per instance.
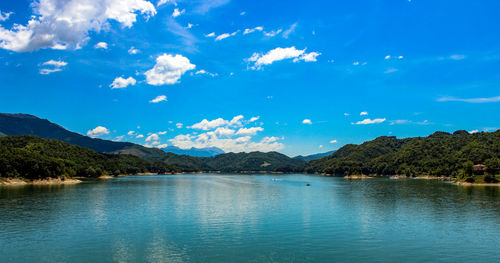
(292, 76)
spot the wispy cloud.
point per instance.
(290, 30)
(188, 39)
(471, 100)
(369, 121)
(226, 35)
(52, 66)
(158, 99)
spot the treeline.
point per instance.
(440, 154)
(237, 162)
(32, 157)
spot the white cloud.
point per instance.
(66, 24)
(210, 34)
(251, 30)
(308, 57)
(130, 133)
(320, 146)
(242, 13)
(133, 51)
(162, 2)
(425, 122)
(473, 131)
(254, 119)
(5, 15)
(225, 35)
(52, 66)
(102, 45)
(333, 141)
(387, 57)
(346, 114)
(400, 57)
(178, 125)
(457, 57)
(370, 121)
(209, 125)
(162, 132)
(222, 131)
(153, 137)
(178, 12)
(363, 113)
(307, 121)
(219, 133)
(46, 71)
(390, 70)
(355, 63)
(269, 139)
(57, 64)
(204, 72)
(272, 33)
(471, 100)
(236, 121)
(161, 146)
(158, 99)
(290, 30)
(139, 136)
(98, 131)
(168, 69)
(279, 54)
(249, 131)
(120, 82)
(239, 144)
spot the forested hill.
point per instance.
(32, 157)
(440, 154)
(312, 157)
(25, 124)
(237, 162)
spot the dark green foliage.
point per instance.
(237, 162)
(25, 124)
(440, 154)
(312, 157)
(33, 158)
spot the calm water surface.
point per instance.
(246, 218)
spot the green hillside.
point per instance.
(25, 124)
(34, 158)
(440, 154)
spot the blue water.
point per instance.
(250, 218)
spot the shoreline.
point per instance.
(47, 181)
(475, 184)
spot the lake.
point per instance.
(250, 218)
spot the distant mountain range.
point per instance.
(196, 152)
(312, 157)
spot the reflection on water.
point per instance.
(245, 218)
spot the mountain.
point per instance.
(213, 159)
(25, 124)
(439, 154)
(196, 152)
(312, 157)
(32, 157)
(237, 162)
